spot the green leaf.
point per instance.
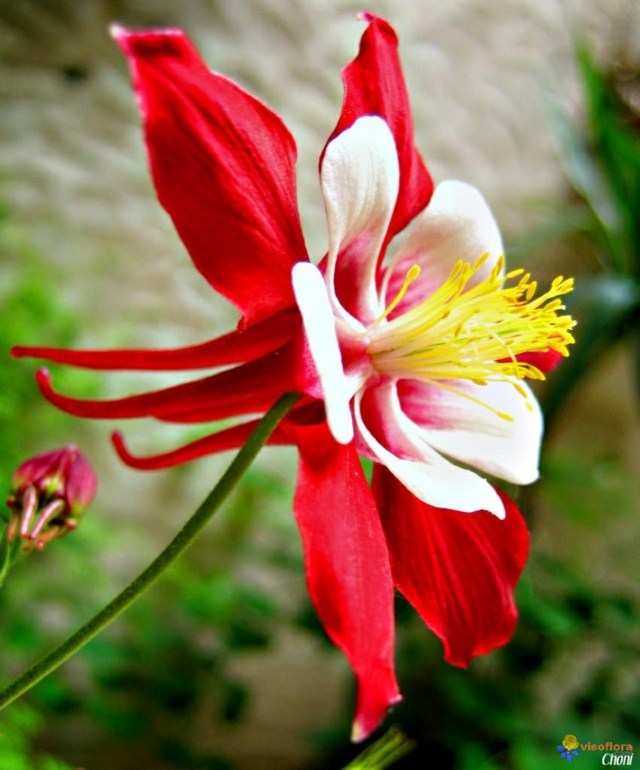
(589, 182)
(616, 145)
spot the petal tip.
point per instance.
(358, 733)
(366, 16)
(117, 439)
(148, 42)
(340, 423)
(365, 724)
(498, 509)
(43, 377)
(117, 31)
(319, 324)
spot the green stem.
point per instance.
(177, 546)
(5, 558)
(8, 553)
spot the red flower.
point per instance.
(49, 493)
(415, 362)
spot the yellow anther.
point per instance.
(473, 332)
(411, 275)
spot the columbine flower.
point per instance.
(414, 357)
(49, 494)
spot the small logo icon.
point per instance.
(569, 748)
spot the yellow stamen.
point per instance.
(473, 332)
(412, 274)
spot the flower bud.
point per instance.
(49, 493)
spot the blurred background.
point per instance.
(222, 665)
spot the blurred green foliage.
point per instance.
(18, 727)
(29, 306)
(602, 162)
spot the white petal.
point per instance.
(319, 325)
(359, 178)
(430, 477)
(457, 224)
(475, 435)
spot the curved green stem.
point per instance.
(176, 547)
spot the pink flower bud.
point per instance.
(49, 493)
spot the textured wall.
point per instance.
(71, 160)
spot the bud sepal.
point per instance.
(49, 493)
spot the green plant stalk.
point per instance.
(176, 547)
(387, 750)
(8, 553)
(5, 558)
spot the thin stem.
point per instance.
(177, 546)
(8, 551)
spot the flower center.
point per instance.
(476, 333)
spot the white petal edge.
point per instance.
(359, 178)
(432, 479)
(319, 324)
(457, 224)
(474, 435)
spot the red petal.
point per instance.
(457, 569)
(546, 361)
(224, 168)
(347, 567)
(374, 85)
(245, 389)
(231, 348)
(231, 438)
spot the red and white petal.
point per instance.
(224, 168)
(347, 567)
(359, 178)
(458, 570)
(472, 432)
(374, 85)
(456, 225)
(394, 441)
(319, 325)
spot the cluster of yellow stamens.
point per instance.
(473, 333)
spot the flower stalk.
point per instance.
(176, 547)
(387, 750)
